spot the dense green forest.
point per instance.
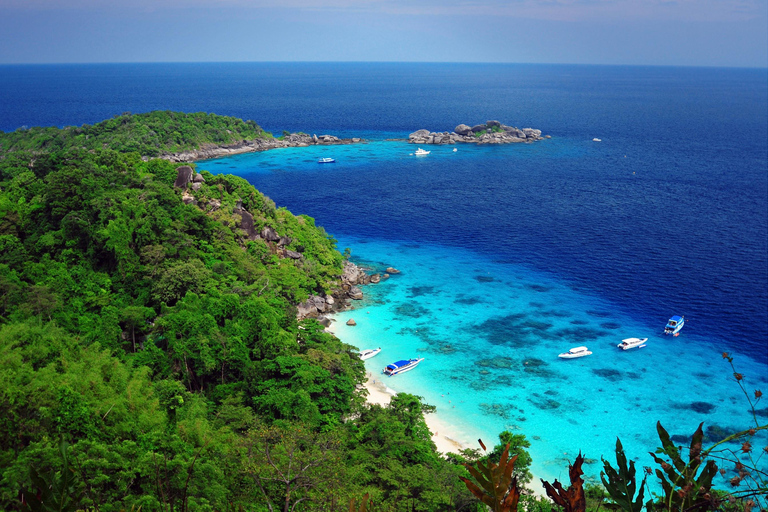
(150, 134)
(151, 356)
(161, 345)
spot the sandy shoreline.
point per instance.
(446, 442)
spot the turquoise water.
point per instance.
(490, 334)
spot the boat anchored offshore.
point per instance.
(402, 366)
(369, 353)
(421, 152)
(674, 325)
(326, 161)
(576, 352)
(596, 140)
(632, 343)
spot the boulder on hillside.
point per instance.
(293, 254)
(269, 234)
(491, 124)
(199, 178)
(479, 128)
(183, 177)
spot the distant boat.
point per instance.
(326, 161)
(421, 152)
(674, 325)
(455, 150)
(576, 352)
(632, 343)
(402, 366)
(369, 353)
(596, 140)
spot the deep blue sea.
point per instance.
(510, 254)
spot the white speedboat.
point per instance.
(326, 161)
(674, 325)
(369, 353)
(402, 366)
(455, 150)
(421, 152)
(596, 140)
(576, 352)
(632, 343)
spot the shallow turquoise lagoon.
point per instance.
(490, 334)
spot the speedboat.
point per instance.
(326, 161)
(402, 366)
(596, 140)
(421, 152)
(674, 325)
(632, 343)
(455, 150)
(576, 352)
(369, 353)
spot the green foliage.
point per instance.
(621, 483)
(686, 485)
(518, 446)
(149, 134)
(55, 491)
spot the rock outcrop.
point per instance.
(247, 146)
(492, 132)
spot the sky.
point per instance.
(731, 33)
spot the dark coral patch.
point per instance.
(598, 314)
(579, 322)
(484, 279)
(468, 301)
(580, 335)
(418, 291)
(610, 325)
(608, 373)
(538, 288)
(410, 309)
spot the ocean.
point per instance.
(510, 254)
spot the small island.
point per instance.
(492, 132)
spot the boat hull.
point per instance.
(566, 355)
(389, 370)
(630, 343)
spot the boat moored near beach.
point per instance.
(674, 325)
(369, 353)
(401, 366)
(632, 343)
(576, 352)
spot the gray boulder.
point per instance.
(293, 254)
(199, 178)
(419, 134)
(355, 293)
(183, 177)
(463, 129)
(479, 128)
(196, 186)
(491, 124)
(269, 234)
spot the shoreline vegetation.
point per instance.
(164, 346)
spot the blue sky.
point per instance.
(635, 32)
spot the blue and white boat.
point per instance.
(401, 366)
(674, 325)
(326, 161)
